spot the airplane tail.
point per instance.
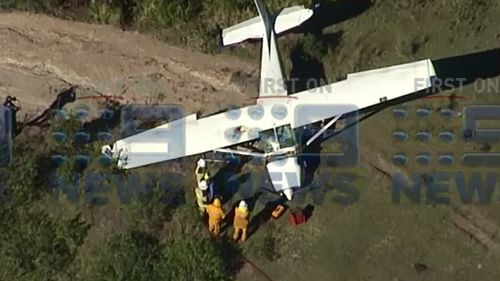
(258, 27)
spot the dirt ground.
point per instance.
(40, 56)
(369, 239)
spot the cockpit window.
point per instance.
(277, 138)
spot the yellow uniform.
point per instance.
(215, 217)
(201, 174)
(201, 199)
(240, 223)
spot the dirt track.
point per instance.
(42, 55)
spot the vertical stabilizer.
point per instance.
(272, 81)
(266, 20)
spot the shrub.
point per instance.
(129, 256)
(160, 14)
(192, 257)
(138, 256)
(37, 246)
(314, 46)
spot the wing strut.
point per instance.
(320, 132)
(233, 151)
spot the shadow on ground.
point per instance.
(327, 13)
(451, 73)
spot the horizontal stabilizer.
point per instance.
(253, 28)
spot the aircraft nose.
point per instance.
(288, 193)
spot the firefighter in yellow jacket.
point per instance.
(215, 216)
(240, 222)
(202, 196)
(201, 191)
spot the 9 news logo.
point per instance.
(95, 186)
(471, 132)
(472, 176)
(128, 121)
(131, 122)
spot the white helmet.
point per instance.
(203, 185)
(201, 163)
(243, 204)
(107, 150)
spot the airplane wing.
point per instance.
(191, 136)
(361, 90)
(358, 91)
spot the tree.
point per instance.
(193, 258)
(37, 246)
(131, 256)
(138, 256)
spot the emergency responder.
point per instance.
(240, 222)
(201, 171)
(215, 216)
(201, 192)
(208, 188)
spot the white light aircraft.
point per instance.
(272, 120)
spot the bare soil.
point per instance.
(41, 55)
